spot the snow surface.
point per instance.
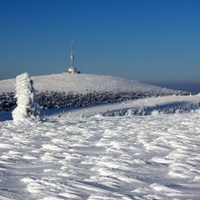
(153, 103)
(128, 157)
(81, 154)
(81, 83)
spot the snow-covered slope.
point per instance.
(81, 83)
(166, 104)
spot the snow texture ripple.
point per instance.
(128, 157)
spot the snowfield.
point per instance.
(97, 153)
(128, 157)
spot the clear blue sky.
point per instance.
(144, 40)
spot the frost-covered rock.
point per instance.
(27, 106)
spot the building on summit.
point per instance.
(72, 69)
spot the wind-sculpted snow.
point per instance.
(127, 157)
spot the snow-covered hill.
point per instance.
(82, 83)
(78, 90)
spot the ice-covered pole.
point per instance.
(27, 106)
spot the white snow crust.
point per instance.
(128, 157)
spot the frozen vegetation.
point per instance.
(52, 99)
(129, 150)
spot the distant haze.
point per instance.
(188, 87)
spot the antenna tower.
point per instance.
(72, 54)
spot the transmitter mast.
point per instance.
(72, 69)
(72, 54)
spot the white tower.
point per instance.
(72, 69)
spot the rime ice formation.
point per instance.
(27, 107)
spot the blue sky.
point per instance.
(146, 40)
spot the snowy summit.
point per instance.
(81, 83)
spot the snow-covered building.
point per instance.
(72, 69)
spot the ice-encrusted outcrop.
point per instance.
(27, 106)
